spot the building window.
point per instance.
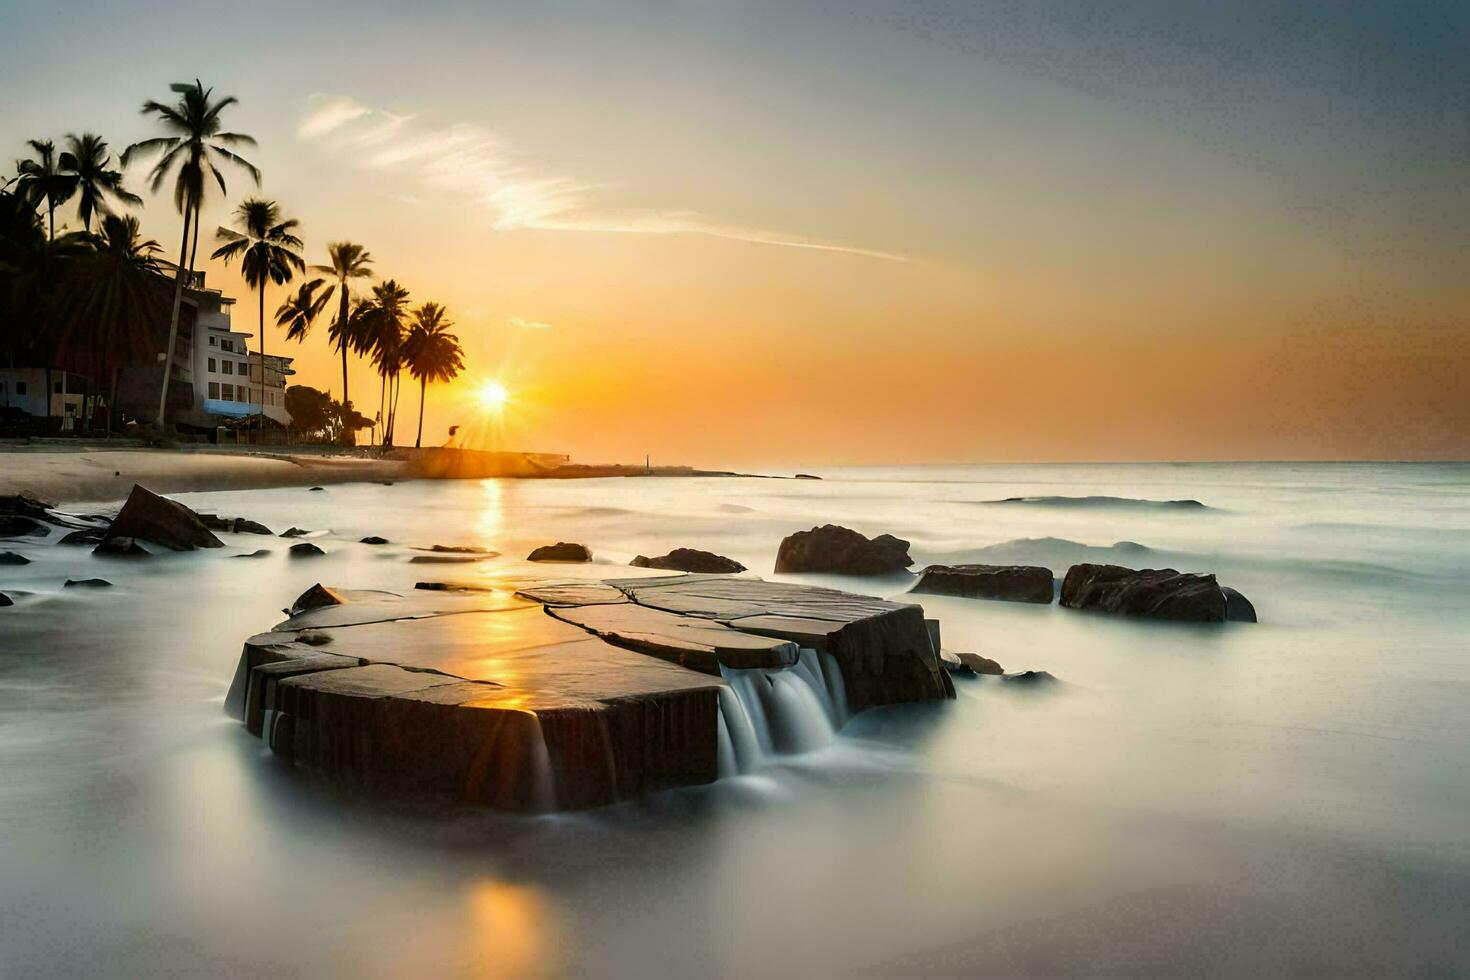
(56, 387)
(227, 392)
(212, 366)
(213, 341)
(214, 389)
(228, 367)
(21, 388)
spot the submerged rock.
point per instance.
(313, 489)
(1162, 593)
(295, 532)
(805, 476)
(462, 549)
(305, 550)
(1013, 583)
(373, 539)
(447, 559)
(149, 517)
(832, 548)
(19, 526)
(257, 553)
(5, 600)
(561, 551)
(1030, 678)
(88, 583)
(244, 525)
(87, 535)
(11, 558)
(690, 560)
(975, 664)
(316, 597)
(121, 546)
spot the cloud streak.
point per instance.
(473, 162)
(524, 324)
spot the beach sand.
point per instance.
(109, 474)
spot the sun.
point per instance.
(493, 395)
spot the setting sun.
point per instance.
(493, 395)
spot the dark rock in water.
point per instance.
(462, 549)
(295, 532)
(314, 489)
(120, 546)
(88, 583)
(831, 548)
(977, 664)
(316, 597)
(433, 586)
(1161, 593)
(257, 553)
(374, 539)
(1030, 678)
(214, 522)
(24, 505)
(11, 558)
(243, 525)
(88, 535)
(1013, 583)
(18, 526)
(561, 551)
(805, 476)
(447, 559)
(1102, 502)
(149, 517)
(690, 560)
(5, 600)
(305, 550)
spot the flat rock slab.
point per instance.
(561, 695)
(1012, 583)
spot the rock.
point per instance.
(214, 522)
(5, 600)
(18, 526)
(314, 489)
(88, 583)
(1013, 583)
(373, 539)
(462, 549)
(120, 546)
(88, 535)
(805, 476)
(257, 553)
(1153, 593)
(831, 548)
(1030, 678)
(24, 505)
(314, 638)
(294, 532)
(305, 550)
(316, 597)
(690, 560)
(447, 559)
(977, 664)
(243, 525)
(556, 707)
(561, 551)
(149, 517)
(11, 558)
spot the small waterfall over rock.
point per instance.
(767, 712)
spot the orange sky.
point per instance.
(782, 234)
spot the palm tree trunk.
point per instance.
(423, 384)
(194, 251)
(262, 359)
(342, 345)
(382, 405)
(173, 320)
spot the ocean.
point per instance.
(1289, 796)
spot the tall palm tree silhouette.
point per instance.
(268, 250)
(89, 164)
(431, 352)
(346, 261)
(192, 151)
(44, 180)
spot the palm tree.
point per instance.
(267, 249)
(431, 352)
(45, 179)
(298, 313)
(113, 299)
(87, 162)
(193, 150)
(346, 261)
(381, 336)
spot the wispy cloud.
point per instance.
(524, 324)
(475, 163)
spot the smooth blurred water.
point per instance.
(1290, 796)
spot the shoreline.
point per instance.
(67, 475)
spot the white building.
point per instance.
(24, 388)
(226, 375)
